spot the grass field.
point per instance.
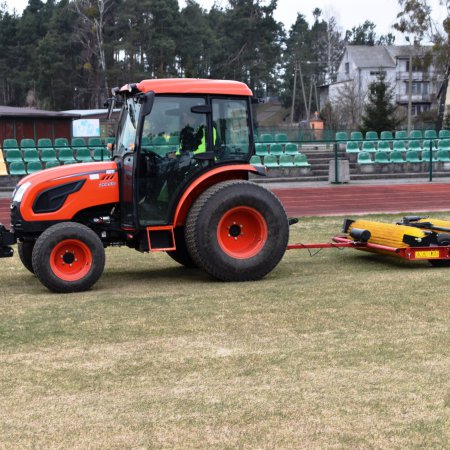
(342, 350)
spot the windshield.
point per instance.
(126, 132)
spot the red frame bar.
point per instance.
(409, 253)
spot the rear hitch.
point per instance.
(6, 239)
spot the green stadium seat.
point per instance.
(427, 143)
(266, 138)
(159, 140)
(341, 136)
(61, 143)
(415, 134)
(356, 136)
(48, 154)
(291, 149)
(412, 156)
(17, 168)
(399, 146)
(301, 160)
(13, 155)
(364, 158)
(281, 137)
(276, 149)
(387, 136)
(286, 161)
(78, 143)
(368, 146)
(44, 143)
(397, 156)
(173, 140)
(261, 150)
(10, 144)
(66, 156)
(110, 140)
(444, 134)
(430, 134)
(444, 144)
(352, 147)
(34, 166)
(27, 144)
(255, 160)
(50, 164)
(384, 146)
(93, 143)
(371, 136)
(414, 145)
(30, 155)
(426, 155)
(101, 154)
(443, 155)
(270, 161)
(401, 134)
(381, 158)
(83, 155)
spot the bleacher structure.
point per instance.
(27, 157)
(388, 154)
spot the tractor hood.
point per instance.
(61, 192)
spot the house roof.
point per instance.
(370, 56)
(13, 111)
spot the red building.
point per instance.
(20, 123)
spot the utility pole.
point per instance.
(293, 93)
(409, 88)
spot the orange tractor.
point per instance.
(177, 183)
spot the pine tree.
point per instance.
(379, 114)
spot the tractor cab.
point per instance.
(170, 133)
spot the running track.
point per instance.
(348, 199)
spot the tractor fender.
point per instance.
(204, 181)
(59, 193)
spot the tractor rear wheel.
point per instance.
(25, 251)
(181, 254)
(68, 257)
(237, 231)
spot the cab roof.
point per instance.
(194, 86)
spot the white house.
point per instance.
(361, 64)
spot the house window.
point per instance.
(377, 73)
(418, 88)
(419, 108)
(347, 68)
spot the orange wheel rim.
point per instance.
(242, 232)
(71, 260)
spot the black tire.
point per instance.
(68, 257)
(25, 251)
(214, 240)
(181, 254)
(443, 239)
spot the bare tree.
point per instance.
(92, 15)
(348, 104)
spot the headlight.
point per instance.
(18, 193)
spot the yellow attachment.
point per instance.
(436, 222)
(386, 233)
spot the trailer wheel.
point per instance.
(443, 239)
(237, 231)
(25, 251)
(181, 254)
(68, 257)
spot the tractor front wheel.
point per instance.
(237, 231)
(68, 257)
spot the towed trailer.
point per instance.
(413, 238)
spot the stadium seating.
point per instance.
(44, 143)
(381, 158)
(66, 156)
(286, 161)
(444, 134)
(415, 134)
(30, 155)
(261, 150)
(281, 137)
(291, 149)
(383, 146)
(371, 136)
(26, 144)
(402, 134)
(426, 155)
(255, 160)
(397, 156)
(47, 155)
(10, 144)
(352, 147)
(443, 155)
(341, 136)
(412, 156)
(399, 146)
(301, 160)
(364, 158)
(386, 135)
(368, 146)
(270, 161)
(34, 166)
(276, 149)
(17, 168)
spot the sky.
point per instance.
(348, 13)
